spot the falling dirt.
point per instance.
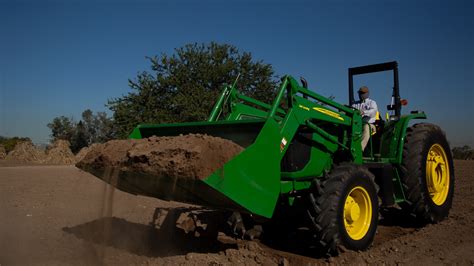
(106, 210)
(192, 156)
(59, 215)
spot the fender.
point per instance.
(394, 135)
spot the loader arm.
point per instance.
(258, 184)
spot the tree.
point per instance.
(98, 128)
(79, 140)
(62, 128)
(93, 128)
(10, 143)
(105, 128)
(184, 86)
(89, 125)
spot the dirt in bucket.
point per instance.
(193, 156)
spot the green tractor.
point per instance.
(304, 152)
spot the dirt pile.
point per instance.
(192, 156)
(26, 152)
(83, 152)
(59, 153)
(3, 152)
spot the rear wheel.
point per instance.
(427, 173)
(344, 210)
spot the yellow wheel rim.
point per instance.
(357, 213)
(437, 174)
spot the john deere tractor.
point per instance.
(303, 152)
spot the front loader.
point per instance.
(304, 152)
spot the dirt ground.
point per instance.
(59, 215)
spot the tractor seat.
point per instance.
(379, 123)
(377, 135)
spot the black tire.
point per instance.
(419, 140)
(327, 205)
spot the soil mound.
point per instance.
(192, 156)
(83, 152)
(3, 152)
(26, 152)
(59, 153)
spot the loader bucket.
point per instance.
(249, 182)
(240, 132)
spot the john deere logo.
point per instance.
(303, 107)
(329, 112)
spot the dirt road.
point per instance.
(59, 215)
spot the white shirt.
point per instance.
(369, 107)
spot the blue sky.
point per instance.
(61, 57)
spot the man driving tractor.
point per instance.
(368, 109)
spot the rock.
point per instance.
(284, 262)
(189, 256)
(252, 246)
(186, 222)
(254, 233)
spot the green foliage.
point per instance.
(98, 128)
(79, 139)
(62, 128)
(9, 143)
(93, 128)
(463, 153)
(184, 86)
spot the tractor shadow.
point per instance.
(393, 224)
(296, 241)
(397, 217)
(159, 238)
(162, 237)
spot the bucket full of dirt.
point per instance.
(168, 168)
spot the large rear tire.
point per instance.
(427, 173)
(344, 210)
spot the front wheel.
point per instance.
(344, 210)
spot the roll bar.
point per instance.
(396, 104)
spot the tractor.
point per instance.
(303, 152)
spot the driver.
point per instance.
(368, 110)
